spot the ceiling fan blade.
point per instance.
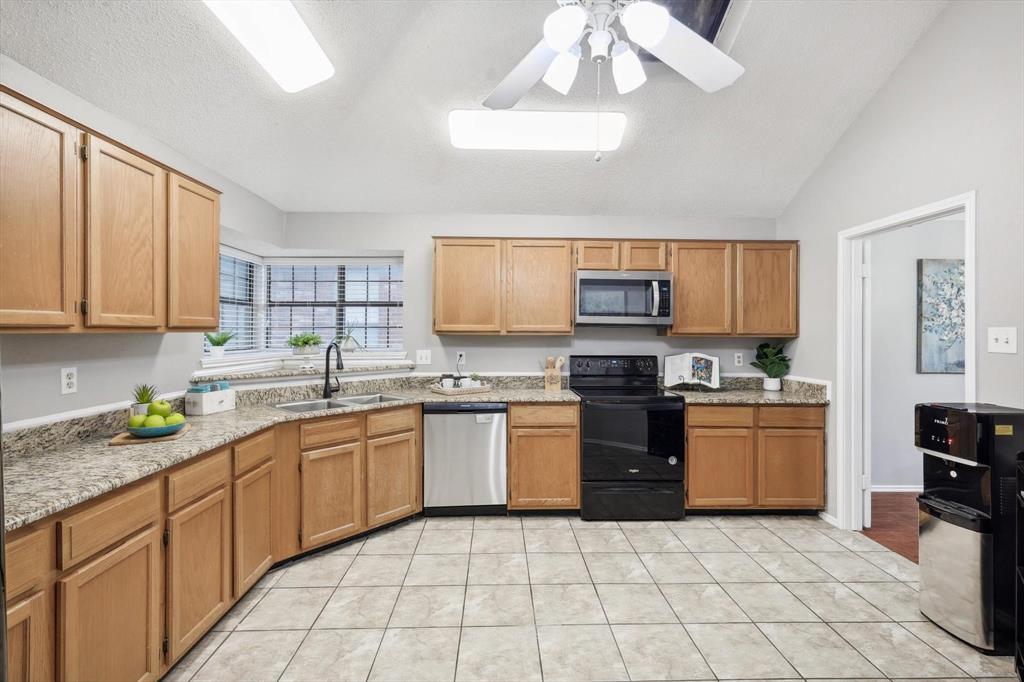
(523, 77)
(695, 58)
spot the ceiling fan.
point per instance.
(556, 58)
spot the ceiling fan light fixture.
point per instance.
(564, 26)
(600, 42)
(627, 70)
(646, 23)
(562, 72)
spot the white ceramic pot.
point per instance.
(216, 351)
(140, 408)
(305, 350)
(349, 344)
(772, 384)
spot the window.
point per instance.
(238, 302)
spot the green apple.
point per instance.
(175, 418)
(154, 420)
(136, 420)
(160, 407)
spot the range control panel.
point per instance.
(613, 365)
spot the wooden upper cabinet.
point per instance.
(39, 218)
(791, 468)
(720, 467)
(539, 286)
(332, 494)
(126, 259)
(467, 285)
(702, 281)
(766, 289)
(193, 255)
(393, 478)
(644, 256)
(597, 255)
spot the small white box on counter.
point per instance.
(210, 402)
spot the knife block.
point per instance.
(552, 380)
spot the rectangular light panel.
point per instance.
(574, 131)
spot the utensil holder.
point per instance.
(552, 380)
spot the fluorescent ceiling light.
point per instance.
(574, 131)
(277, 37)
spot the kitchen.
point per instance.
(459, 424)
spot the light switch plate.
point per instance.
(1002, 339)
(423, 357)
(68, 380)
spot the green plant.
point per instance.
(219, 338)
(305, 340)
(144, 393)
(771, 360)
(474, 376)
(346, 334)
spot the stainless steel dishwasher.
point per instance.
(464, 458)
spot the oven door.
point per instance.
(635, 298)
(632, 441)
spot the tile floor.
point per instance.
(557, 598)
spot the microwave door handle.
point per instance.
(655, 298)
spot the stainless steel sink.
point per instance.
(347, 401)
(310, 405)
(372, 399)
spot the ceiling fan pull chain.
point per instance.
(597, 127)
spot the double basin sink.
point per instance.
(349, 401)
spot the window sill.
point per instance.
(253, 362)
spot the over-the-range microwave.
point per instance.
(623, 297)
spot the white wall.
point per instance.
(947, 121)
(895, 384)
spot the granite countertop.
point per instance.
(749, 397)
(299, 372)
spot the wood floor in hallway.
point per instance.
(894, 522)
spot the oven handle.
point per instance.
(629, 405)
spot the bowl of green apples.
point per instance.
(160, 420)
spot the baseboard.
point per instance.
(828, 518)
(897, 488)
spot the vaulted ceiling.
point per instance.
(374, 137)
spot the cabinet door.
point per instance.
(467, 285)
(597, 255)
(253, 502)
(198, 569)
(766, 289)
(126, 263)
(544, 469)
(720, 468)
(702, 283)
(539, 281)
(39, 219)
(791, 468)
(193, 255)
(392, 478)
(332, 494)
(644, 256)
(30, 639)
(110, 614)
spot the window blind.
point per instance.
(238, 302)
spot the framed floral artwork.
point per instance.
(940, 316)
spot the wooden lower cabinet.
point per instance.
(543, 468)
(30, 639)
(254, 511)
(109, 614)
(198, 566)
(791, 468)
(719, 468)
(332, 494)
(393, 478)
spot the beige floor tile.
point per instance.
(497, 523)
(438, 569)
(854, 541)
(322, 570)
(498, 569)
(895, 600)
(667, 567)
(736, 521)
(377, 570)
(577, 522)
(545, 522)
(251, 657)
(815, 650)
(416, 655)
(739, 650)
(730, 567)
(848, 567)
(968, 659)
(579, 653)
(706, 540)
(350, 547)
(635, 604)
(334, 656)
(602, 540)
(660, 652)
(914, 585)
(291, 608)
(567, 605)
(191, 662)
(495, 654)
(552, 569)
(449, 523)
(757, 540)
(391, 542)
(769, 603)
(791, 567)
(895, 651)
(430, 606)
(550, 540)
(498, 605)
(653, 539)
(445, 542)
(835, 602)
(781, 521)
(808, 540)
(691, 522)
(892, 563)
(240, 610)
(270, 579)
(358, 607)
(489, 541)
(703, 604)
(617, 568)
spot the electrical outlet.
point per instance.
(738, 359)
(68, 380)
(1002, 339)
(423, 357)
(460, 358)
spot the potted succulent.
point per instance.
(306, 343)
(771, 360)
(474, 380)
(217, 342)
(348, 341)
(143, 395)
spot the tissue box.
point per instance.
(210, 402)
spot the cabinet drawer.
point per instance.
(252, 451)
(29, 560)
(100, 525)
(808, 417)
(707, 415)
(544, 415)
(195, 480)
(391, 421)
(330, 431)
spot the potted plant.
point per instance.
(348, 341)
(773, 362)
(306, 343)
(143, 395)
(217, 342)
(474, 380)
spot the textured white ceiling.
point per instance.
(374, 138)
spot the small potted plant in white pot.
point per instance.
(349, 342)
(217, 342)
(771, 360)
(474, 380)
(306, 343)
(143, 395)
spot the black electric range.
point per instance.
(632, 439)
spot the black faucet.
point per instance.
(328, 391)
